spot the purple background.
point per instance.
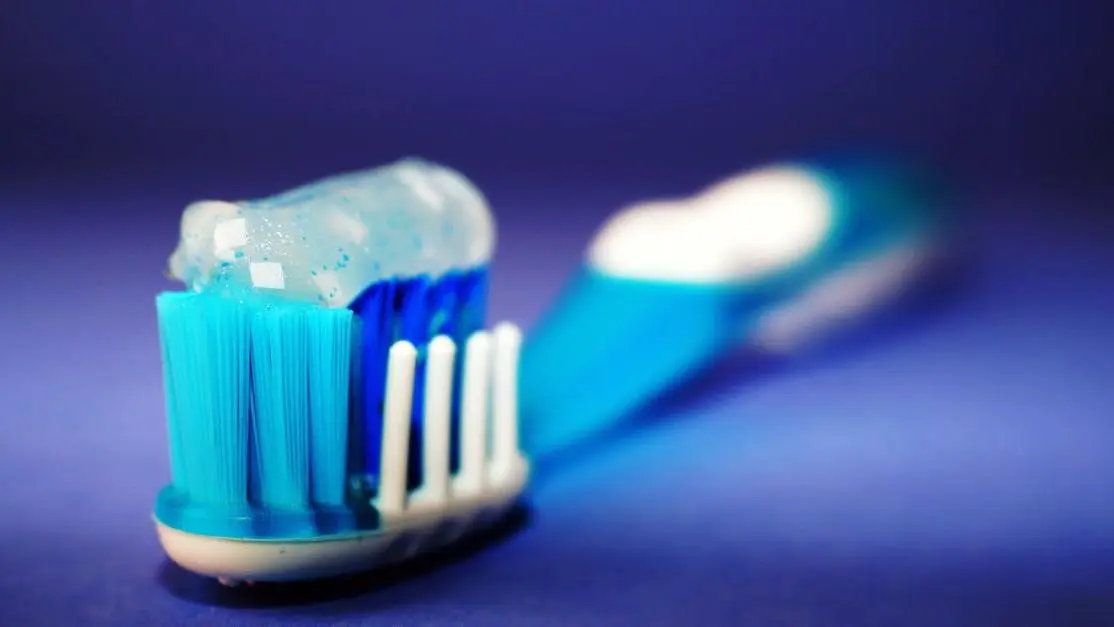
(953, 468)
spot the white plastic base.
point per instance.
(417, 530)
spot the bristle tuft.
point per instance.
(206, 363)
(330, 332)
(280, 411)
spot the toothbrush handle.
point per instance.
(613, 344)
(603, 352)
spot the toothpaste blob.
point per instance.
(326, 242)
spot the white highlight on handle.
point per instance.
(749, 225)
(396, 428)
(435, 426)
(474, 410)
(505, 453)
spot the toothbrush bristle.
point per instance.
(280, 371)
(259, 400)
(329, 371)
(414, 309)
(257, 405)
(485, 465)
(272, 404)
(396, 427)
(436, 426)
(164, 303)
(206, 351)
(474, 410)
(508, 339)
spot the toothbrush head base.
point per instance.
(234, 560)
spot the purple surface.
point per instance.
(955, 472)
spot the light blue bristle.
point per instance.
(280, 408)
(206, 362)
(258, 406)
(329, 366)
(173, 431)
(354, 467)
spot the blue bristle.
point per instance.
(173, 430)
(357, 426)
(280, 411)
(329, 367)
(275, 409)
(415, 309)
(417, 313)
(472, 309)
(471, 296)
(375, 309)
(206, 361)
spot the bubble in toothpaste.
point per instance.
(326, 241)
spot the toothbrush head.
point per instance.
(407, 521)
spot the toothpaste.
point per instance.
(328, 241)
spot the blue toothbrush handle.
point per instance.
(611, 344)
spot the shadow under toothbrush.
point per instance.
(188, 586)
(924, 302)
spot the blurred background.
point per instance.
(577, 86)
(958, 473)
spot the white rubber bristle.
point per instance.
(505, 412)
(435, 428)
(474, 406)
(396, 427)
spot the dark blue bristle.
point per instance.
(375, 309)
(415, 309)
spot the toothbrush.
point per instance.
(333, 403)
(776, 258)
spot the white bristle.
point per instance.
(396, 427)
(505, 414)
(435, 428)
(474, 404)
